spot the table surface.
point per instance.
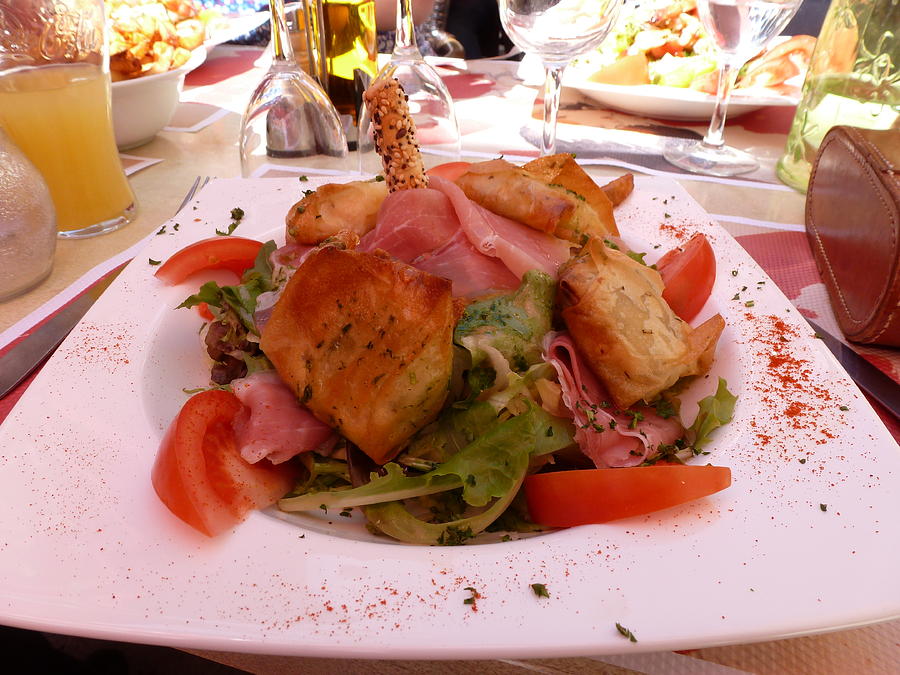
(499, 114)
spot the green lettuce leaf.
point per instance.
(513, 324)
(241, 298)
(716, 410)
(486, 468)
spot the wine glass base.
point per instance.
(710, 160)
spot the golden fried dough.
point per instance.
(511, 191)
(562, 169)
(335, 207)
(365, 342)
(631, 339)
(618, 189)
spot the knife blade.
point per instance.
(867, 377)
(30, 352)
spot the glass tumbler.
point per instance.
(853, 79)
(55, 105)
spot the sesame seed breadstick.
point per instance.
(395, 136)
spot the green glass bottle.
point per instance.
(853, 79)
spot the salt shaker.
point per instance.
(27, 222)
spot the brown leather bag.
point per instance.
(853, 224)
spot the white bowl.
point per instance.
(143, 106)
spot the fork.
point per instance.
(199, 183)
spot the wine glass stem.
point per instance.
(552, 88)
(281, 46)
(405, 39)
(715, 135)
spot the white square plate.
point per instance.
(805, 540)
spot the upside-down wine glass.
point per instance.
(289, 120)
(430, 103)
(556, 31)
(740, 29)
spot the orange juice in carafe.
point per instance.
(59, 116)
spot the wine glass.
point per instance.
(740, 29)
(430, 103)
(289, 119)
(556, 31)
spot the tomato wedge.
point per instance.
(229, 253)
(199, 473)
(688, 273)
(569, 498)
(449, 170)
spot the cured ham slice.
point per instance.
(411, 223)
(274, 425)
(421, 227)
(519, 247)
(470, 272)
(610, 437)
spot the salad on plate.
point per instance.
(664, 43)
(471, 349)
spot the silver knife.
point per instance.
(867, 377)
(30, 352)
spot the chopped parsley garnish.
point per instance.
(473, 597)
(161, 230)
(303, 179)
(635, 416)
(823, 507)
(734, 273)
(237, 215)
(625, 632)
(540, 590)
(844, 407)
(664, 408)
(455, 536)
(154, 262)
(749, 303)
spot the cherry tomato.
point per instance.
(204, 312)
(568, 498)
(229, 253)
(449, 170)
(688, 273)
(199, 473)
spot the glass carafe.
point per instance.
(27, 222)
(853, 79)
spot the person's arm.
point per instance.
(386, 13)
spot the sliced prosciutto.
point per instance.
(470, 272)
(411, 223)
(273, 424)
(443, 232)
(608, 436)
(518, 246)
(421, 227)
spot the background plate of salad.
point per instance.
(803, 541)
(672, 103)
